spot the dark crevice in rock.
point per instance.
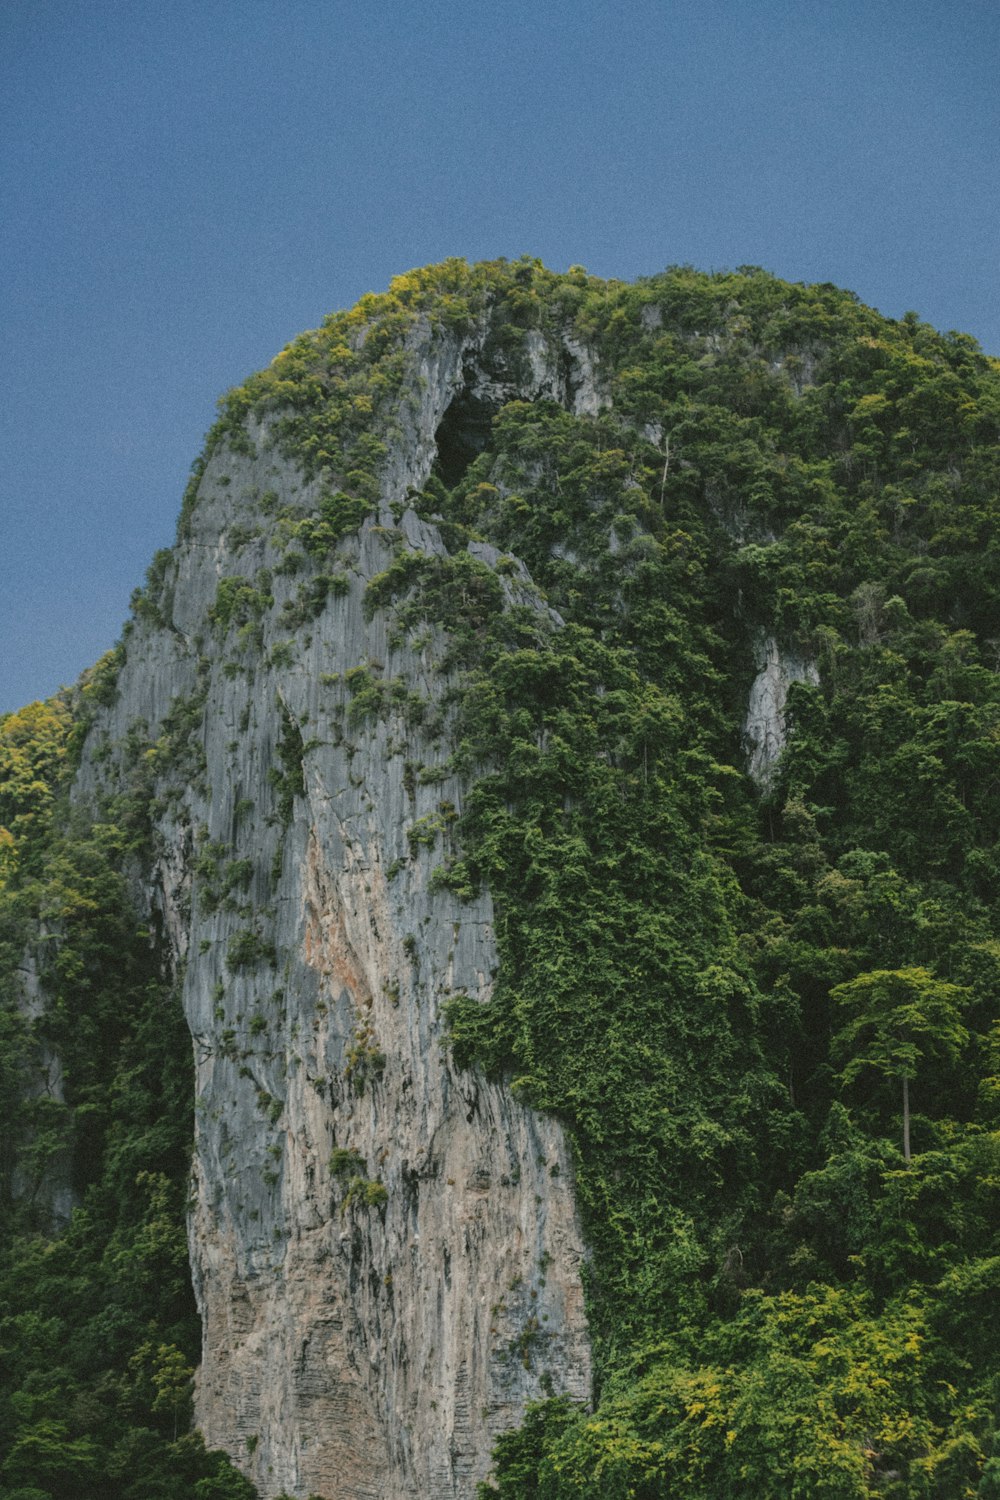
(463, 433)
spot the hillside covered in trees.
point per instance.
(764, 1009)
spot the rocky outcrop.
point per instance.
(385, 1250)
(765, 725)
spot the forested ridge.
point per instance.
(767, 1013)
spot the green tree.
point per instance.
(164, 1369)
(895, 1018)
(33, 745)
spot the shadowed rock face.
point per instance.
(765, 726)
(385, 1251)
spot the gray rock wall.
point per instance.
(386, 1253)
(765, 725)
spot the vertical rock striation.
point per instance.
(765, 725)
(386, 1253)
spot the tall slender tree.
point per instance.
(894, 1019)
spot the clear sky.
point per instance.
(185, 186)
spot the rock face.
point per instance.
(764, 729)
(385, 1250)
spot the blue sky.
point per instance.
(185, 187)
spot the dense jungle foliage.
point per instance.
(768, 1014)
(98, 1329)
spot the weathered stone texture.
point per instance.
(766, 723)
(368, 1330)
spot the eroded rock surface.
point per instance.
(765, 725)
(385, 1250)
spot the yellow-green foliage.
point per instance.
(33, 752)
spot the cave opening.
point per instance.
(463, 433)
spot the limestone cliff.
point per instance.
(560, 748)
(385, 1251)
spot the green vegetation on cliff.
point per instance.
(767, 1015)
(729, 996)
(98, 1330)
